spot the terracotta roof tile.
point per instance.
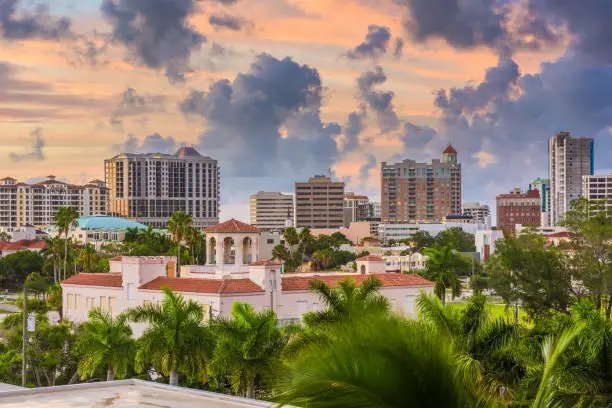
(387, 279)
(559, 235)
(265, 263)
(450, 150)
(195, 285)
(232, 226)
(371, 258)
(114, 280)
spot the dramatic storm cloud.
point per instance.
(374, 45)
(266, 120)
(19, 24)
(36, 152)
(154, 143)
(380, 102)
(228, 22)
(157, 32)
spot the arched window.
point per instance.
(363, 269)
(229, 251)
(247, 251)
(212, 251)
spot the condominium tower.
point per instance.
(271, 210)
(35, 204)
(421, 192)
(356, 208)
(543, 186)
(569, 159)
(598, 187)
(319, 203)
(151, 187)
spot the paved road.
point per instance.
(8, 308)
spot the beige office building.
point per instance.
(271, 211)
(319, 203)
(598, 187)
(149, 188)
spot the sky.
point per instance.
(280, 90)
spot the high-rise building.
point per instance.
(569, 159)
(480, 213)
(374, 210)
(319, 203)
(35, 204)
(518, 208)
(598, 187)
(543, 186)
(421, 192)
(356, 208)
(271, 210)
(151, 187)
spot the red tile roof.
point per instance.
(450, 150)
(113, 280)
(387, 279)
(265, 263)
(22, 245)
(195, 285)
(371, 258)
(232, 226)
(564, 234)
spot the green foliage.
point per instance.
(106, 343)
(17, 266)
(443, 267)
(175, 340)
(524, 270)
(179, 226)
(248, 347)
(457, 239)
(65, 220)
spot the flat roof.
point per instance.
(122, 394)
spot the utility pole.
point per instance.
(25, 337)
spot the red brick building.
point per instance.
(518, 208)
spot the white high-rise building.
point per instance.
(569, 159)
(149, 188)
(35, 204)
(271, 211)
(480, 213)
(598, 187)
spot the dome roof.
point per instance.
(187, 151)
(232, 225)
(106, 223)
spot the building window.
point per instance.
(103, 303)
(77, 302)
(111, 304)
(70, 301)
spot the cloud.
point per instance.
(266, 122)
(378, 101)
(354, 127)
(484, 159)
(374, 45)
(154, 143)
(89, 51)
(228, 22)
(364, 170)
(22, 24)
(398, 49)
(157, 32)
(37, 148)
(464, 24)
(414, 136)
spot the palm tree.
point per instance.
(321, 258)
(175, 340)
(483, 346)
(66, 219)
(131, 235)
(88, 257)
(377, 361)
(247, 346)
(347, 300)
(178, 226)
(442, 267)
(194, 239)
(52, 253)
(106, 343)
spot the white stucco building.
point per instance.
(233, 273)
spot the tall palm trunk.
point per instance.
(174, 377)
(250, 392)
(110, 374)
(178, 260)
(65, 255)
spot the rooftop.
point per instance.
(21, 245)
(121, 394)
(232, 225)
(450, 150)
(371, 258)
(387, 279)
(196, 285)
(113, 280)
(107, 223)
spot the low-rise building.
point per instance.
(598, 187)
(233, 273)
(405, 263)
(355, 232)
(519, 208)
(480, 213)
(396, 232)
(485, 242)
(7, 248)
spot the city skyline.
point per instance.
(376, 90)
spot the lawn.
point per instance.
(498, 310)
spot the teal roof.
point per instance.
(106, 223)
